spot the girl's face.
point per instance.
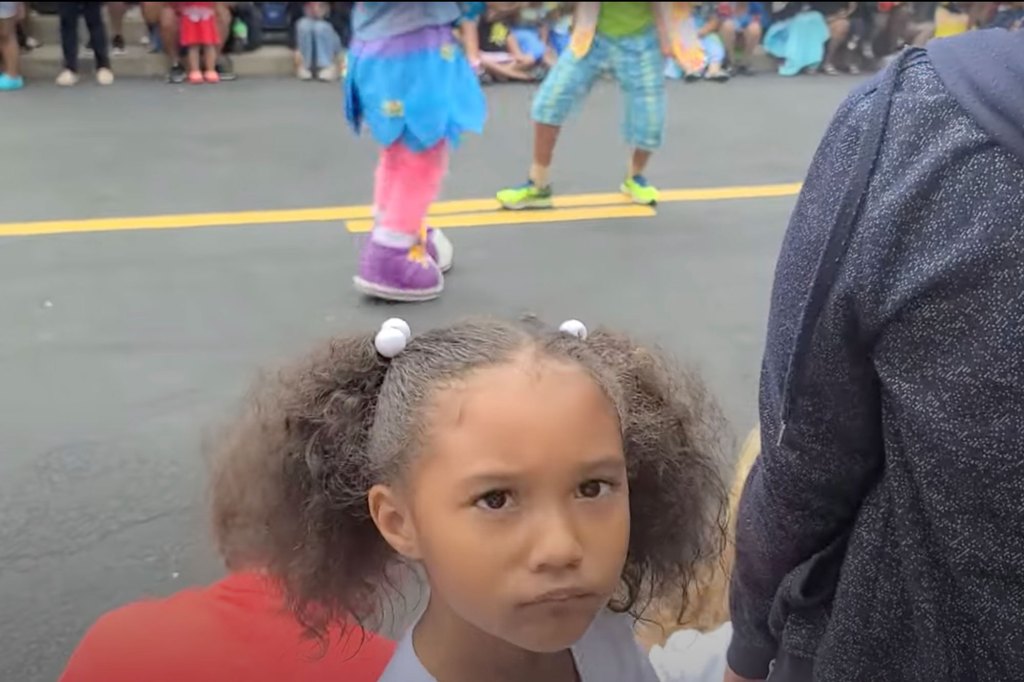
(518, 507)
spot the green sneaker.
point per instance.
(639, 191)
(527, 195)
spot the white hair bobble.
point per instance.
(574, 328)
(392, 338)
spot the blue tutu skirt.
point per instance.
(416, 88)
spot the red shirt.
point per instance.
(232, 631)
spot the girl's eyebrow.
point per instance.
(505, 477)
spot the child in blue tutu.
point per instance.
(410, 82)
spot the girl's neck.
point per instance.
(452, 650)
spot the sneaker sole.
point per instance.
(527, 205)
(397, 295)
(624, 190)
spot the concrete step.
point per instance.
(45, 63)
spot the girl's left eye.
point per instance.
(594, 488)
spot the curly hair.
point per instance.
(314, 438)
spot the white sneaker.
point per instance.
(67, 78)
(328, 74)
(444, 248)
(105, 77)
(304, 74)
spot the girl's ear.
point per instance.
(392, 518)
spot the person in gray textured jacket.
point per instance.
(881, 533)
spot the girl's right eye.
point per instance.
(494, 500)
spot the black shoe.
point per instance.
(118, 45)
(176, 74)
(225, 68)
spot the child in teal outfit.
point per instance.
(631, 40)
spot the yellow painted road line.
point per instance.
(449, 213)
(557, 215)
(719, 193)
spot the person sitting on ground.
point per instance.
(698, 51)
(532, 32)
(168, 16)
(501, 57)
(740, 26)
(92, 13)
(237, 629)
(797, 36)
(318, 45)
(10, 59)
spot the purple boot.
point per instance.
(398, 274)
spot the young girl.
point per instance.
(410, 82)
(199, 34)
(547, 483)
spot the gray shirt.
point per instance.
(606, 653)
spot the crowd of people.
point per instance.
(507, 41)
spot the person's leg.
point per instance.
(838, 30)
(394, 263)
(10, 75)
(304, 41)
(210, 74)
(169, 34)
(637, 64)
(223, 11)
(564, 88)
(195, 74)
(751, 41)
(328, 45)
(727, 32)
(69, 12)
(92, 12)
(416, 179)
(116, 12)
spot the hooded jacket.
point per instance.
(881, 532)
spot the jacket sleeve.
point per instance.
(804, 489)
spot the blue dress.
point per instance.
(416, 86)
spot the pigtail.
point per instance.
(299, 457)
(672, 434)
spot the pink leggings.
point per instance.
(406, 184)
